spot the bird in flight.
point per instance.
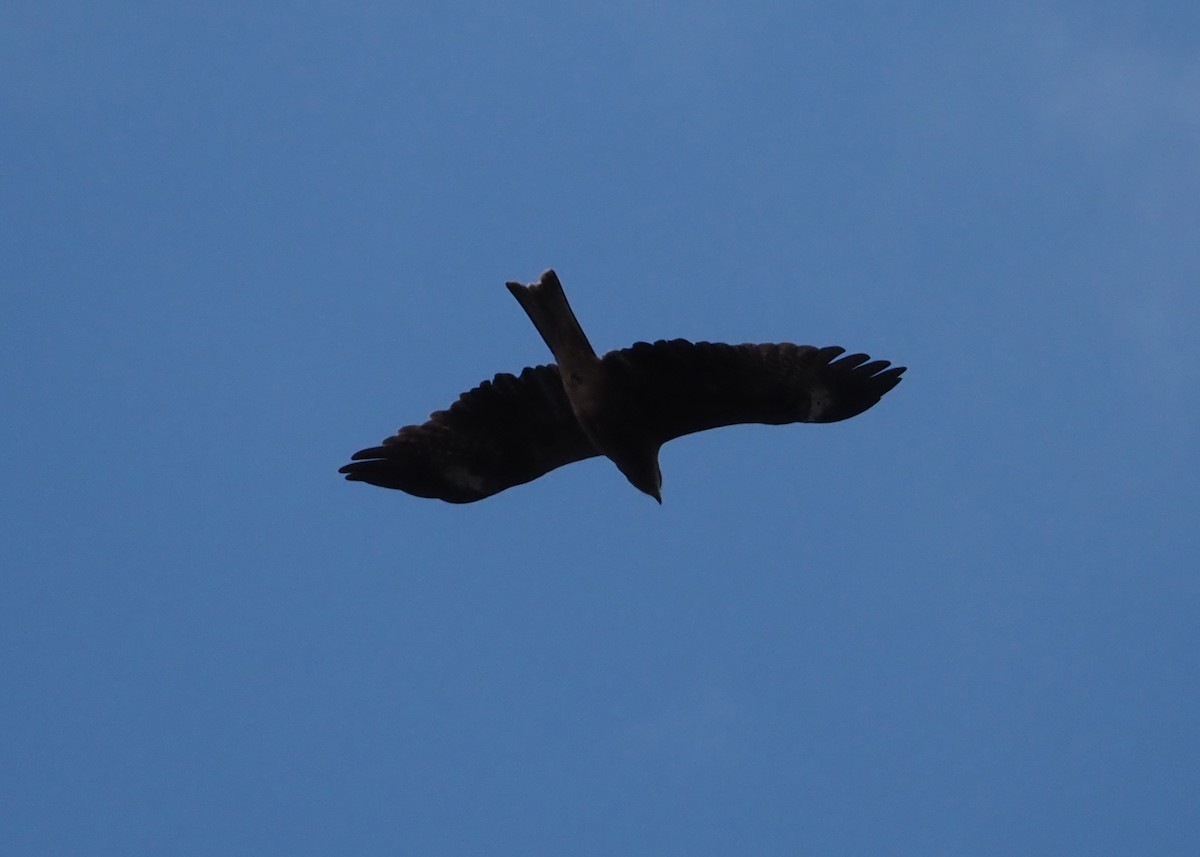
(624, 405)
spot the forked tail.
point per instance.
(547, 307)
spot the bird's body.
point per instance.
(609, 414)
(623, 405)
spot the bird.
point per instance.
(624, 405)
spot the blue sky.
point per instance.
(242, 241)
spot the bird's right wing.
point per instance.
(681, 387)
(505, 432)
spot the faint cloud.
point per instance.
(1131, 115)
(1114, 99)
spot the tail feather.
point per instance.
(546, 305)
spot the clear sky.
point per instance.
(242, 240)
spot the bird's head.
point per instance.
(645, 476)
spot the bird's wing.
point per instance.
(505, 432)
(680, 387)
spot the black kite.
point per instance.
(624, 405)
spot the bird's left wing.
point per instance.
(505, 432)
(680, 387)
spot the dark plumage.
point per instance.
(625, 405)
